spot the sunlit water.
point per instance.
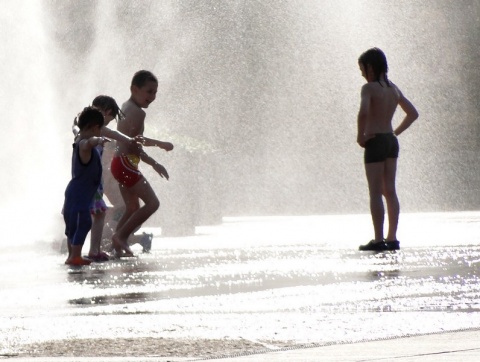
(280, 279)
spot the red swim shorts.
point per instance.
(125, 171)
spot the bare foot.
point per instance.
(120, 246)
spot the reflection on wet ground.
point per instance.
(238, 281)
(442, 278)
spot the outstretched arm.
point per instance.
(119, 136)
(411, 114)
(86, 146)
(150, 142)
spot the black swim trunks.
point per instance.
(381, 147)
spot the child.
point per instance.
(133, 185)
(98, 208)
(379, 100)
(86, 178)
(109, 219)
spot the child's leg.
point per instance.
(112, 218)
(70, 228)
(115, 213)
(134, 217)
(132, 204)
(77, 258)
(69, 246)
(84, 224)
(375, 172)
(96, 233)
(390, 193)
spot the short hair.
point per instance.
(141, 77)
(376, 58)
(107, 103)
(90, 117)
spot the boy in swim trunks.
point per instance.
(379, 100)
(133, 185)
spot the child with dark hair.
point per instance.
(104, 222)
(379, 100)
(133, 185)
(110, 110)
(86, 178)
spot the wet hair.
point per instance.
(378, 61)
(141, 78)
(107, 103)
(90, 117)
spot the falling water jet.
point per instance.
(33, 141)
(272, 88)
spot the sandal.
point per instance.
(78, 261)
(100, 257)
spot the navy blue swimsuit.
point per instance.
(381, 147)
(79, 194)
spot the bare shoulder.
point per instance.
(366, 90)
(396, 90)
(84, 144)
(368, 87)
(132, 123)
(131, 110)
(85, 149)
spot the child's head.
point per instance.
(142, 77)
(108, 107)
(89, 118)
(375, 60)
(144, 88)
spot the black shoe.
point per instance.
(392, 245)
(374, 245)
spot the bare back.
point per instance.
(131, 125)
(379, 102)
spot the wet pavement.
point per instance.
(247, 286)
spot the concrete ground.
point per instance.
(461, 346)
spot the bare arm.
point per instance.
(86, 146)
(150, 142)
(410, 116)
(363, 115)
(156, 166)
(117, 136)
